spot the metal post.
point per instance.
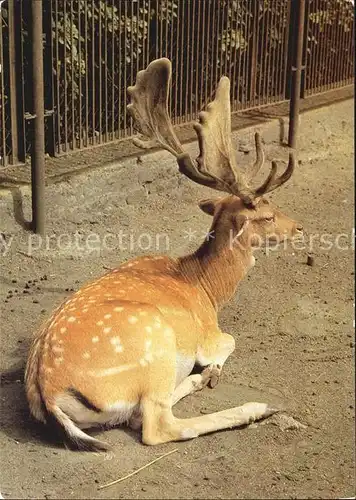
(38, 146)
(296, 76)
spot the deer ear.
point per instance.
(208, 206)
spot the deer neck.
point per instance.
(218, 266)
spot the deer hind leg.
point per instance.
(191, 384)
(160, 425)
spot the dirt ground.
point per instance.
(293, 325)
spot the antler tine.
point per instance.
(272, 182)
(260, 159)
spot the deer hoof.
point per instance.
(211, 375)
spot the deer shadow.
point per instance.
(17, 203)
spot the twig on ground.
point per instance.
(33, 257)
(138, 470)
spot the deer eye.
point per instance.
(270, 219)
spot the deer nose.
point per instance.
(299, 228)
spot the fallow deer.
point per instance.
(122, 348)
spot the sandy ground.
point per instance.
(293, 325)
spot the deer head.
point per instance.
(245, 209)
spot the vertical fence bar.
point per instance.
(120, 51)
(254, 54)
(197, 99)
(20, 82)
(93, 94)
(48, 75)
(306, 48)
(100, 82)
(58, 67)
(235, 96)
(331, 52)
(106, 73)
(3, 151)
(86, 62)
(12, 75)
(38, 147)
(246, 50)
(296, 76)
(343, 54)
(288, 17)
(212, 44)
(79, 104)
(112, 72)
(72, 86)
(65, 78)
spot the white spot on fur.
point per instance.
(111, 371)
(100, 323)
(118, 348)
(148, 329)
(107, 329)
(58, 361)
(132, 320)
(63, 329)
(107, 316)
(115, 341)
(71, 319)
(86, 355)
(118, 309)
(95, 339)
(57, 350)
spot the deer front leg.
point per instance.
(213, 353)
(195, 383)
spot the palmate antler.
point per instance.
(216, 165)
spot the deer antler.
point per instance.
(216, 165)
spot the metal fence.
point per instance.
(94, 48)
(329, 47)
